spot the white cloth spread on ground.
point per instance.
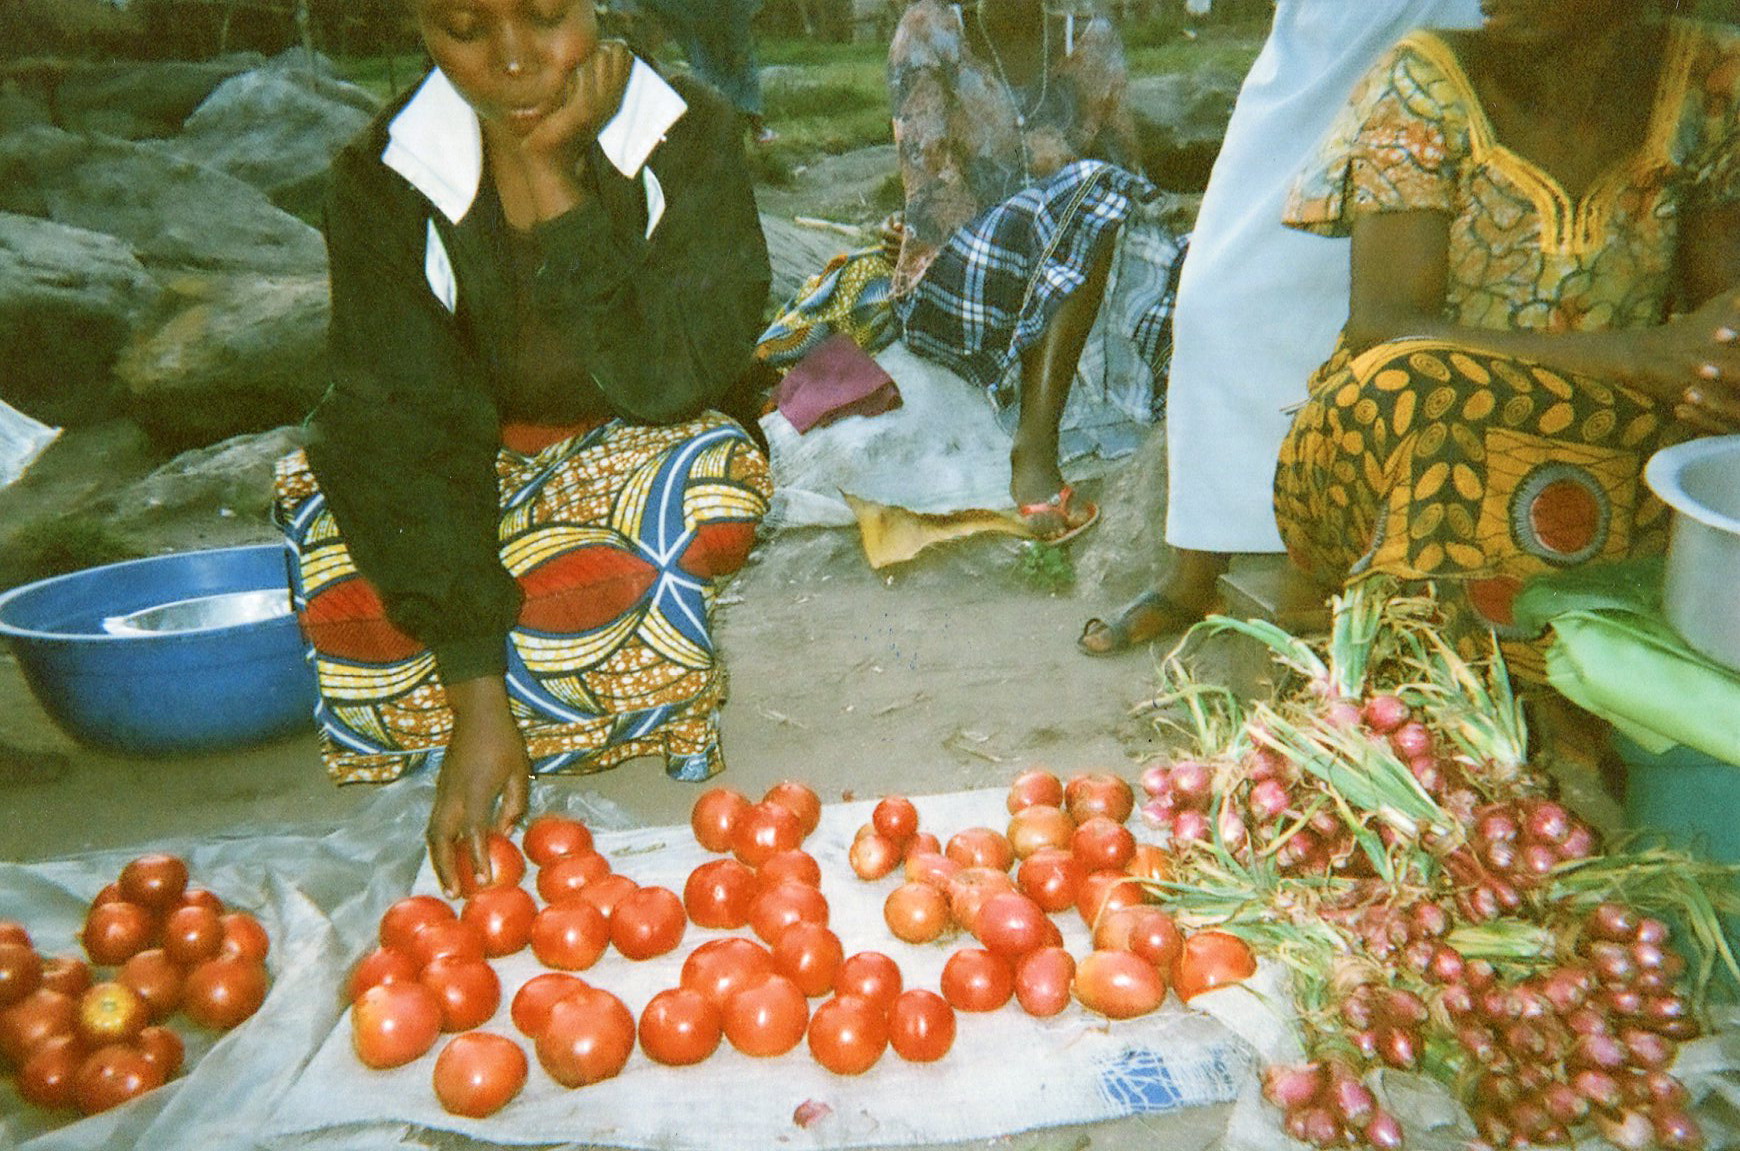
(1259, 305)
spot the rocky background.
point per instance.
(163, 279)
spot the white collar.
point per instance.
(436, 142)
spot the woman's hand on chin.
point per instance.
(594, 93)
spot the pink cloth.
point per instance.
(837, 378)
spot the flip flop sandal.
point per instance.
(1058, 506)
(1176, 618)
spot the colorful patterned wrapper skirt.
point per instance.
(617, 536)
(1428, 461)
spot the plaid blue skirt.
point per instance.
(992, 289)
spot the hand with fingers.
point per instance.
(1694, 363)
(484, 783)
(594, 94)
(892, 232)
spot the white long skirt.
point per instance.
(1259, 304)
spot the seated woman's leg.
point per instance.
(1430, 462)
(1047, 370)
(617, 538)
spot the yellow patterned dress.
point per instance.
(1431, 461)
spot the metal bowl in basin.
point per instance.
(191, 652)
(1700, 481)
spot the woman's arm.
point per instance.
(1400, 272)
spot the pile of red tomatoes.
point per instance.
(784, 978)
(92, 1039)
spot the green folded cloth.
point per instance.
(1616, 656)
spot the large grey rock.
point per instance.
(277, 128)
(137, 101)
(173, 212)
(245, 355)
(1181, 119)
(69, 300)
(226, 487)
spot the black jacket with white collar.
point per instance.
(661, 275)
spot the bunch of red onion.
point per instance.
(1513, 847)
(1326, 1104)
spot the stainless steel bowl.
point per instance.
(226, 609)
(1700, 481)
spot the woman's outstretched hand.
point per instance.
(484, 783)
(1694, 362)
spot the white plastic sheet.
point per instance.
(22, 439)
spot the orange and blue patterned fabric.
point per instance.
(617, 536)
(1432, 461)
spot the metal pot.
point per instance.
(1700, 481)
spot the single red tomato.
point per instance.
(921, 1025)
(156, 979)
(1098, 793)
(980, 847)
(924, 841)
(648, 921)
(570, 935)
(163, 1048)
(784, 904)
(110, 1076)
(763, 829)
(589, 1037)
(1211, 959)
(502, 916)
(680, 1026)
(382, 965)
(974, 979)
(795, 865)
(1149, 862)
(20, 972)
(970, 887)
(1103, 844)
(895, 818)
(1146, 930)
(1051, 877)
(394, 1023)
(871, 975)
(848, 1034)
(873, 855)
(49, 1078)
(220, 993)
(1118, 984)
(1011, 924)
(1039, 827)
(1103, 891)
(720, 967)
(401, 922)
(530, 1009)
(718, 893)
(447, 937)
(916, 912)
(111, 1012)
(469, 991)
(155, 881)
(476, 1074)
(607, 891)
(932, 867)
(38, 1016)
(809, 955)
(245, 937)
(192, 934)
(12, 931)
(570, 875)
(551, 836)
(202, 897)
(1042, 981)
(115, 932)
(800, 800)
(1034, 786)
(766, 1017)
(109, 894)
(506, 865)
(715, 815)
(67, 974)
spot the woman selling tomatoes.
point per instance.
(547, 275)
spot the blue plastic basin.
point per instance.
(193, 686)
